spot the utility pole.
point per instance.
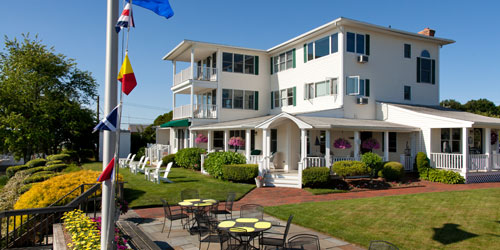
(97, 111)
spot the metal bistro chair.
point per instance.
(171, 216)
(278, 241)
(252, 211)
(381, 245)
(304, 242)
(228, 206)
(207, 231)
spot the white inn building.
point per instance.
(343, 80)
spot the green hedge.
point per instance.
(59, 157)
(34, 170)
(373, 161)
(25, 188)
(316, 177)
(443, 176)
(12, 170)
(392, 171)
(240, 172)
(215, 161)
(56, 167)
(53, 162)
(422, 163)
(189, 158)
(36, 163)
(350, 168)
(43, 173)
(169, 158)
(38, 178)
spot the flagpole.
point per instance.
(110, 101)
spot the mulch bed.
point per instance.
(365, 184)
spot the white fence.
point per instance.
(478, 162)
(447, 161)
(182, 76)
(495, 161)
(343, 158)
(407, 162)
(315, 162)
(155, 152)
(184, 111)
(254, 159)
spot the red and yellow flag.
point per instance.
(126, 76)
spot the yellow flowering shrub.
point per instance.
(85, 233)
(43, 194)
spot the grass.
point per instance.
(445, 220)
(140, 193)
(318, 191)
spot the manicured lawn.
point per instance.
(445, 220)
(317, 191)
(140, 192)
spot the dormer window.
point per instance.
(426, 68)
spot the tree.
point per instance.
(163, 119)
(452, 104)
(41, 100)
(482, 106)
(148, 135)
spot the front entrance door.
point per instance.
(180, 139)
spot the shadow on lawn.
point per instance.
(132, 194)
(450, 233)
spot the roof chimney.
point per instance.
(427, 32)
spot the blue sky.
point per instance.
(77, 29)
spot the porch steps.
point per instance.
(281, 179)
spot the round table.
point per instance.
(249, 227)
(199, 206)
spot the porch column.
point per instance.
(174, 66)
(209, 142)
(327, 148)
(265, 150)
(356, 144)
(487, 147)
(192, 100)
(465, 151)
(192, 63)
(192, 135)
(247, 143)
(226, 140)
(186, 137)
(303, 144)
(386, 145)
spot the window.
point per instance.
(309, 91)
(239, 63)
(218, 139)
(290, 96)
(227, 62)
(310, 51)
(450, 140)
(238, 99)
(274, 140)
(276, 64)
(276, 98)
(227, 98)
(335, 43)
(322, 142)
(249, 99)
(322, 88)
(357, 87)
(283, 61)
(321, 47)
(237, 133)
(286, 97)
(249, 64)
(426, 68)
(333, 86)
(289, 59)
(407, 51)
(283, 96)
(318, 89)
(358, 43)
(407, 93)
(425, 54)
(393, 144)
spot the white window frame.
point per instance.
(232, 63)
(347, 81)
(276, 96)
(360, 83)
(356, 43)
(277, 61)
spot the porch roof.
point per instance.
(477, 120)
(235, 124)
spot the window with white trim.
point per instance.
(237, 133)
(239, 63)
(357, 87)
(286, 97)
(450, 140)
(318, 89)
(276, 97)
(358, 43)
(283, 61)
(239, 99)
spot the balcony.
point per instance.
(200, 73)
(198, 111)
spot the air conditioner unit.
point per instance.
(362, 59)
(362, 100)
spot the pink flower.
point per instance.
(201, 139)
(342, 143)
(370, 144)
(236, 141)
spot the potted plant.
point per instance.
(236, 142)
(201, 138)
(370, 144)
(342, 143)
(259, 181)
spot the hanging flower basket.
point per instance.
(494, 138)
(236, 142)
(342, 143)
(201, 138)
(370, 144)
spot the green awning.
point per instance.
(176, 123)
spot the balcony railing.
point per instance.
(200, 73)
(207, 111)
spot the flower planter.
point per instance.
(259, 182)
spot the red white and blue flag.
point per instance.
(126, 19)
(108, 171)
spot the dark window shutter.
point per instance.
(294, 64)
(271, 65)
(272, 99)
(256, 100)
(367, 43)
(367, 87)
(305, 53)
(294, 96)
(433, 71)
(256, 65)
(418, 69)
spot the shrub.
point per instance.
(240, 172)
(215, 161)
(73, 155)
(11, 171)
(169, 158)
(350, 168)
(56, 167)
(316, 177)
(373, 161)
(36, 163)
(444, 176)
(25, 188)
(42, 173)
(11, 191)
(59, 157)
(3, 180)
(140, 153)
(392, 171)
(34, 170)
(189, 158)
(422, 164)
(53, 162)
(39, 178)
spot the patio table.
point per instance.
(197, 206)
(245, 230)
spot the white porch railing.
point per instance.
(200, 73)
(478, 162)
(407, 162)
(207, 111)
(254, 159)
(495, 161)
(155, 152)
(182, 76)
(343, 158)
(184, 111)
(315, 162)
(447, 161)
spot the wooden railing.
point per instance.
(478, 162)
(182, 76)
(407, 162)
(200, 73)
(343, 158)
(315, 162)
(184, 111)
(447, 161)
(495, 161)
(254, 159)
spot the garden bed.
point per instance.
(339, 185)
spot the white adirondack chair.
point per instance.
(157, 174)
(148, 171)
(140, 168)
(122, 161)
(135, 164)
(127, 164)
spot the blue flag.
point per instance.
(108, 123)
(160, 7)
